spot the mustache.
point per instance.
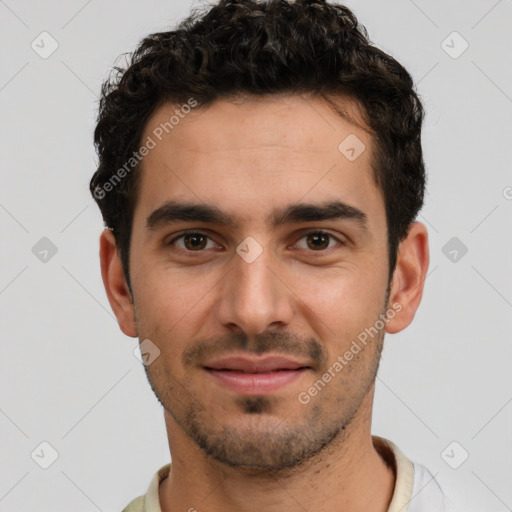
(276, 342)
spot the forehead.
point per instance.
(254, 153)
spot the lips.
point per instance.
(261, 365)
(255, 376)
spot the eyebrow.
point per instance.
(174, 211)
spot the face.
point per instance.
(258, 258)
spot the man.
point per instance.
(260, 171)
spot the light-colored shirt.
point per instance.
(416, 489)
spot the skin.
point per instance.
(229, 451)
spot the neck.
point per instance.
(349, 474)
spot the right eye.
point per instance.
(191, 241)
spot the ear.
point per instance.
(409, 277)
(115, 284)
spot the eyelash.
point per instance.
(312, 232)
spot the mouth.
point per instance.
(255, 376)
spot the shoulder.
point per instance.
(136, 505)
(427, 494)
(416, 488)
(150, 502)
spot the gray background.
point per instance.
(68, 376)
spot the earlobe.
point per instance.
(409, 277)
(114, 280)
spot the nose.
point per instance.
(254, 297)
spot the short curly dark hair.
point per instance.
(251, 47)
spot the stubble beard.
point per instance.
(269, 444)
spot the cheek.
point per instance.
(170, 292)
(170, 305)
(341, 308)
(343, 295)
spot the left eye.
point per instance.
(317, 241)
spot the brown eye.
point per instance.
(318, 241)
(192, 241)
(195, 241)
